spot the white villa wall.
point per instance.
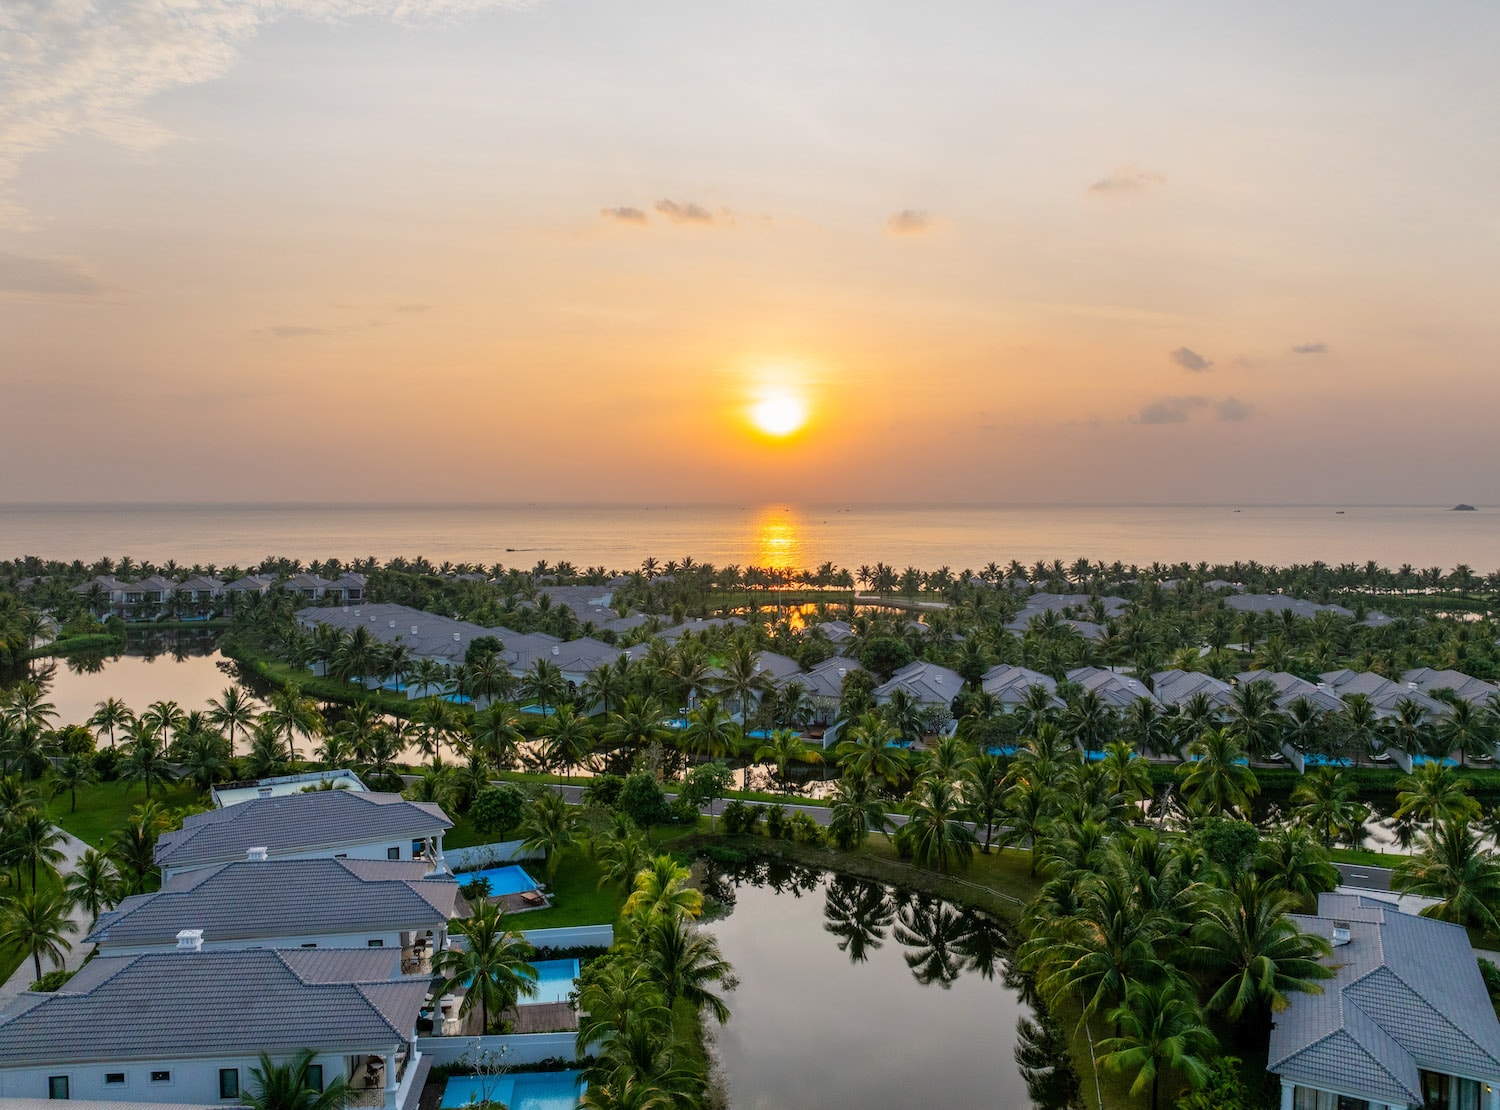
(193, 1080)
(389, 938)
(478, 857)
(518, 1048)
(575, 936)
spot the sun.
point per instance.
(779, 413)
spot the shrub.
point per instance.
(497, 809)
(50, 982)
(683, 812)
(805, 830)
(1490, 973)
(604, 791)
(724, 856)
(642, 800)
(776, 823)
(107, 764)
(475, 889)
(739, 819)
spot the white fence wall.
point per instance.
(517, 1048)
(480, 856)
(576, 936)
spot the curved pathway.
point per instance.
(25, 975)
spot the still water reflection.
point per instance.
(856, 995)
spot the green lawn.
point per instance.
(105, 807)
(1366, 858)
(12, 958)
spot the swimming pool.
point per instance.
(521, 1090)
(511, 879)
(554, 980)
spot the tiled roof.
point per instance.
(1010, 683)
(1290, 688)
(1470, 689)
(1177, 687)
(282, 898)
(192, 1004)
(295, 823)
(927, 683)
(1116, 690)
(1406, 996)
(1382, 692)
(826, 680)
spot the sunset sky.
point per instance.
(381, 250)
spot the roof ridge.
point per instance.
(1421, 998)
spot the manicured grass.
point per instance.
(105, 807)
(575, 894)
(1366, 858)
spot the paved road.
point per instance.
(1366, 878)
(25, 975)
(821, 814)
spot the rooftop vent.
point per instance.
(356, 612)
(556, 650)
(393, 624)
(843, 672)
(190, 940)
(257, 854)
(413, 630)
(1340, 933)
(457, 636)
(1411, 685)
(263, 791)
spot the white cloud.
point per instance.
(74, 67)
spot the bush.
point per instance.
(475, 889)
(1225, 1090)
(805, 830)
(642, 800)
(50, 982)
(107, 764)
(724, 856)
(739, 819)
(776, 823)
(604, 791)
(497, 809)
(1490, 973)
(683, 812)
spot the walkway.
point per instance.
(25, 975)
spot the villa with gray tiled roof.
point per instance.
(1177, 688)
(291, 903)
(1010, 685)
(1383, 694)
(187, 1026)
(331, 824)
(1118, 691)
(1406, 1020)
(1428, 681)
(1289, 688)
(926, 683)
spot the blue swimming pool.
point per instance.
(511, 879)
(522, 1090)
(554, 980)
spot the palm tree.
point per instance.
(496, 732)
(433, 721)
(493, 965)
(1290, 859)
(623, 853)
(93, 884)
(164, 717)
(289, 1086)
(662, 890)
(783, 749)
(34, 843)
(711, 732)
(69, 774)
(984, 789)
(1434, 793)
(1158, 1027)
(1454, 867)
(1125, 773)
(145, 758)
(109, 715)
(1217, 781)
(547, 825)
(606, 685)
(1465, 730)
(1253, 719)
(544, 684)
(290, 715)
(133, 846)
(638, 724)
(855, 812)
(569, 738)
(1324, 803)
(1246, 939)
(232, 710)
(743, 682)
(37, 923)
(686, 962)
(203, 759)
(937, 832)
(867, 750)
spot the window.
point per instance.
(314, 944)
(229, 1082)
(1308, 1099)
(1449, 1092)
(161, 1077)
(376, 943)
(315, 1076)
(114, 1079)
(57, 1086)
(417, 848)
(393, 853)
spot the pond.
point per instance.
(855, 995)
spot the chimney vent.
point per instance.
(1340, 933)
(556, 650)
(393, 624)
(457, 636)
(413, 630)
(257, 854)
(190, 940)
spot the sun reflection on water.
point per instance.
(778, 538)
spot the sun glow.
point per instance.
(779, 412)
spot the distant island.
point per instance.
(1463, 509)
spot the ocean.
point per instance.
(618, 537)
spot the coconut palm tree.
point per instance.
(1290, 859)
(1254, 951)
(145, 757)
(493, 965)
(662, 890)
(711, 732)
(855, 812)
(1454, 867)
(133, 846)
(1465, 730)
(984, 789)
(783, 749)
(290, 715)
(1159, 1027)
(496, 732)
(33, 842)
(623, 852)
(71, 772)
(1217, 781)
(109, 715)
(686, 961)
(544, 685)
(937, 832)
(289, 1086)
(639, 723)
(548, 825)
(742, 682)
(93, 884)
(867, 750)
(164, 717)
(1324, 804)
(233, 711)
(1433, 794)
(36, 922)
(569, 738)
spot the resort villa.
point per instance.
(233, 793)
(1406, 1020)
(925, 683)
(196, 596)
(187, 1026)
(291, 903)
(1177, 688)
(326, 824)
(1475, 691)
(1010, 685)
(1118, 691)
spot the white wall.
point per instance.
(576, 936)
(369, 849)
(480, 856)
(192, 1080)
(518, 1048)
(389, 938)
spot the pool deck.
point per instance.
(543, 1017)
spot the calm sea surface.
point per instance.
(619, 537)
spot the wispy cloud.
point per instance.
(47, 277)
(90, 66)
(625, 214)
(293, 331)
(1126, 179)
(1232, 409)
(1310, 349)
(1189, 359)
(908, 221)
(1168, 410)
(686, 212)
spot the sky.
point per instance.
(468, 250)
